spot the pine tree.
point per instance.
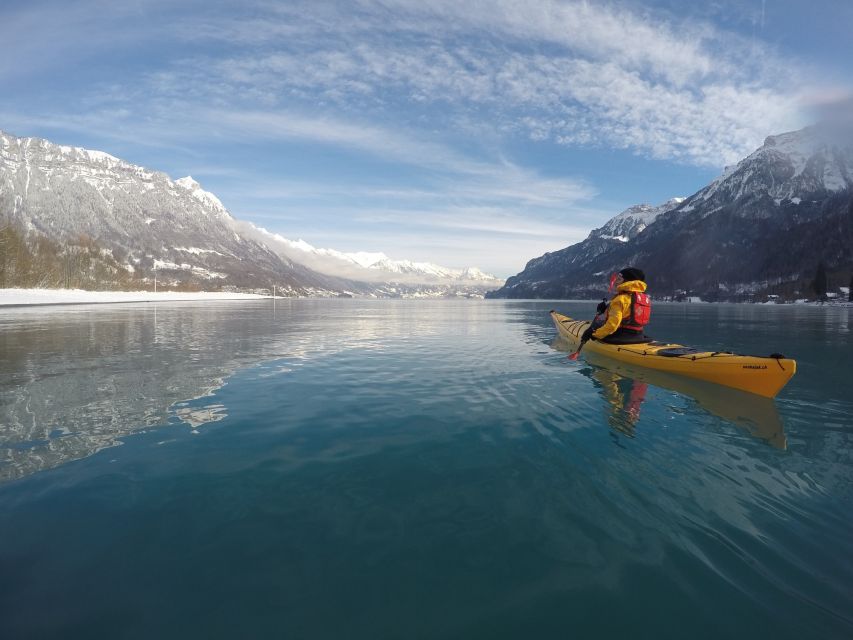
(850, 290)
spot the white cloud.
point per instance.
(572, 72)
(575, 72)
(596, 31)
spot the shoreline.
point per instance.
(11, 298)
(17, 298)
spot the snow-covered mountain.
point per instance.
(145, 222)
(798, 168)
(547, 270)
(371, 266)
(763, 225)
(812, 162)
(631, 222)
(141, 217)
(205, 197)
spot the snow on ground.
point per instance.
(10, 297)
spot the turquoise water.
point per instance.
(415, 469)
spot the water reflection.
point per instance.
(380, 441)
(624, 388)
(624, 397)
(76, 380)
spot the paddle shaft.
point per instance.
(574, 356)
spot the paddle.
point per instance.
(601, 309)
(574, 356)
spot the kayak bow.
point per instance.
(755, 374)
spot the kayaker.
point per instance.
(626, 314)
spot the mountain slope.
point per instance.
(765, 222)
(142, 217)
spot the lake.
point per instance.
(416, 469)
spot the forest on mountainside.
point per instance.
(31, 260)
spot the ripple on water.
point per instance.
(361, 461)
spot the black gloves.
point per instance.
(602, 307)
(587, 335)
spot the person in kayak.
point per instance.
(627, 313)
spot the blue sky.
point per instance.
(464, 133)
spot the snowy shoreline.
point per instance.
(39, 297)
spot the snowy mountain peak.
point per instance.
(790, 166)
(367, 265)
(188, 182)
(200, 194)
(795, 147)
(473, 273)
(632, 221)
(63, 191)
(88, 154)
(49, 150)
(366, 259)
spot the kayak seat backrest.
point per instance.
(677, 351)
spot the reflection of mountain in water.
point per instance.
(75, 381)
(79, 381)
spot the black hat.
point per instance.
(630, 273)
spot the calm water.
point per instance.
(407, 469)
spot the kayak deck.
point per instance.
(765, 376)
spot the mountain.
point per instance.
(763, 226)
(131, 223)
(633, 221)
(372, 267)
(140, 217)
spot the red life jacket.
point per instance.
(641, 310)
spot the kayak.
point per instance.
(765, 376)
(756, 414)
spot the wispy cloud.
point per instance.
(494, 221)
(610, 77)
(458, 175)
(39, 36)
(575, 73)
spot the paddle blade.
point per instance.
(574, 356)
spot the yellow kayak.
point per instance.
(754, 374)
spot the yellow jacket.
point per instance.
(620, 306)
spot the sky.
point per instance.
(477, 133)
